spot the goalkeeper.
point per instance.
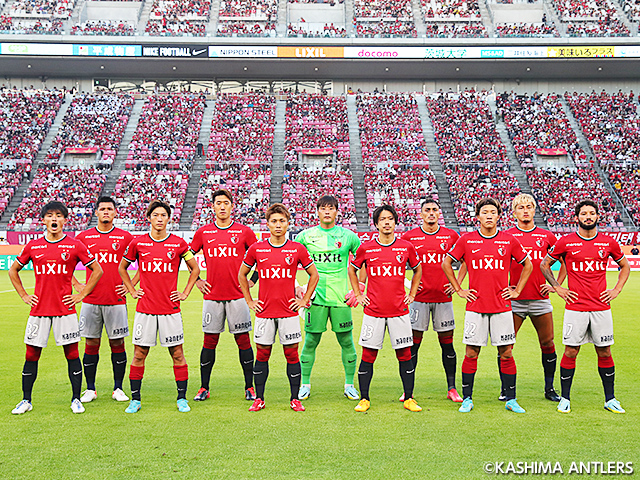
(329, 246)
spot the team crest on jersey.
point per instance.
(539, 242)
(234, 240)
(64, 256)
(501, 251)
(288, 260)
(171, 254)
(399, 258)
(338, 244)
(115, 246)
(443, 246)
(601, 253)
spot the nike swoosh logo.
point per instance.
(565, 378)
(145, 254)
(511, 388)
(475, 251)
(551, 360)
(198, 52)
(351, 361)
(212, 240)
(373, 259)
(92, 245)
(257, 373)
(204, 364)
(295, 375)
(26, 374)
(576, 252)
(451, 356)
(88, 365)
(409, 372)
(77, 373)
(262, 260)
(120, 363)
(248, 362)
(465, 386)
(41, 255)
(609, 374)
(134, 391)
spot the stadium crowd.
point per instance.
(104, 27)
(445, 9)
(41, 8)
(246, 29)
(266, 10)
(384, 18)
(10, 179)
(609, 27)
(329, 30)
(527, 30)
(456, 30)
(176, 28)
(28, 26)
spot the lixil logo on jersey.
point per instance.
(487, 264)
(589, 266)
(222, 252)
(155, 266)
(275, 272)
(433, 258)
(51, 269)
(106, 257)
(387, 271)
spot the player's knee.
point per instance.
(505, 352)
(33, 353)
(94, 341)
(291, 353)
(71, 351)
(117, 346)
(603, 352)
(140, 354)
(243, 341)
(417, 336)
(571, 352)
(472, 351)
(211, 340)
(445, 338)
(369, 355)
(263, 353)
(177, 353)
(403, 354)
(91, 349)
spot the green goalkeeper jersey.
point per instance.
(329, 250)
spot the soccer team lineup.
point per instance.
(405, 285)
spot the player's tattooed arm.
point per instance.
(513, 293)
(92, 281)
(470, 295)
(415, 283)
(546, 289)
(623, 276)
(297, 303)
(355, 286)
(567, 295)
(16, 281)
(255, 305)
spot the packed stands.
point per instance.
(41, 8)
(239, 157)
(591, 18)
(474, 157)
(176, 28)
(610, 27)
(93, 120)
(77, 188)
(10, 178)
(538, 121)
(632, 9)
(626, 182)
(176, 17)
(104, 27)
(246, 29)
(30, 26)
(384, 18)
(329, 30)
(526, 30)
(456, 30)
(450, 10)
(253, 18)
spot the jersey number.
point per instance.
(367, 332)
(470, 329)
(32, 330)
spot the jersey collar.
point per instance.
(527, 231)
(488, 238)
(277, 246)
(588, 239)
(387, 244)
(54, 241)
(113, 227)
(224, 228)
(158, 241)
(427, 233)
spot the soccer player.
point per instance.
(106, 304)
(534, 300)
(329, 246)
(433, 299)
(386, 304)
(587, 315)
(224, 244)
(276, 260)
(54, 258)
(488, 253)
(158, 311)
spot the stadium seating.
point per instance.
(329, 30)
(10, 178)
(239, 157)
(96, 120)
(384, 18)
(253, 18)
(456, 30)
(246, 29)
(177, 17)
(41, 8)
(104, 27)
(77, 188)
(591, 18)
(30, 26)
(626, 182)
(450, 9)
(527, 30)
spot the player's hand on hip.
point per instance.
(301, 290)
(203, 286)
(296, 304)
(470, 295)
(546, 289)
(30, 300)
(178, 296)
(256, 305)
(408, 299)
(137, 293)
(71, 300)
(609, 295)
(80, 287)
(509, 293)
(363, 299)
(448, 289)
(567, 295)
(121, 290)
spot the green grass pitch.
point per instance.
(220, 438)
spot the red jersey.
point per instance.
(536, 242)
(586, 261)
(224, 249)
(488, 261)
(432, 248)
(277, 267)
(386, 266)
(107, 248)
(158, 264)
(54, 264)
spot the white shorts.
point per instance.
(168, 327)
(478, 327)
(441, 314)
(113, 317)
(587, 327)
(531, 308)
(372, 334)
(235, 311)
(288, 330)
(65, 330)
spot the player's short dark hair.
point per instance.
(429, 200)
(54, 207)
(277, 208)
(327, 201)
(488, 201)
(223, 192)
(105, 199)
(158, 204)
(587, 202)
(384, 208)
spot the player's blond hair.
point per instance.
(522, 199)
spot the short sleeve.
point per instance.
(250, 238)
(81, 238)
(358, 260)
(196, 241)
(458, 250)
(300, 238)
(616, 252)
(25, 255)
(518, 253)
(355, 242)
(131, 253)
(303, 257)
(413, 259)
(84, 255)
(558, 250)
(250, 257)
(552, 239)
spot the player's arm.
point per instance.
(194, 274)
(462, 273)
(623, 276)
(470, 295)
(77, 285)
(415, 283)
(355, 285)
(513, 293)
(126, 279)
(92, 281)
(567, 295)
(16, 281)
(297, 303)
(562, 275)
(255, 305)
